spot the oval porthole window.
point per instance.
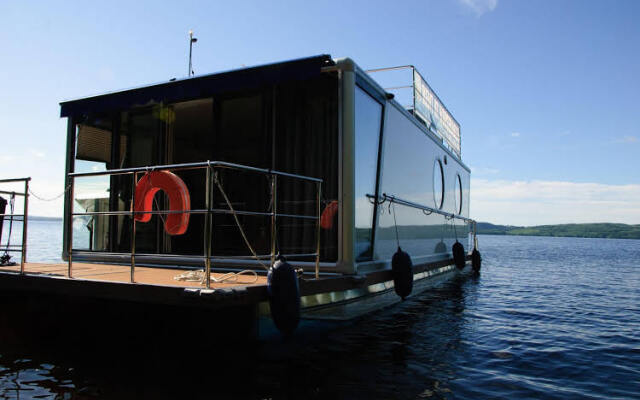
(458, 194)
(438, 183)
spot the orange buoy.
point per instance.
(328, 214)
(179, 199)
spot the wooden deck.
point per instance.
(157, 286)
(121, 274)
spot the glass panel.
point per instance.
(306, 143)
(92, 194)
(190, 139)
(241, 137)
(431, 110)
(142, 137)
(368, 115)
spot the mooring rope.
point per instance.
(235, 217)
(56, 197)
(201, 277)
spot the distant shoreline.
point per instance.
(596, 230)
(37, 218)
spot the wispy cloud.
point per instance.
(515, 134)
(37, 153)
(479, 7)
(484, 171)
(626, 139)
(553, 202)
(6, 158)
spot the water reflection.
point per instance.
(407, 351)
(548, 318)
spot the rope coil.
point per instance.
(230, 277)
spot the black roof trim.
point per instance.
(199, 87)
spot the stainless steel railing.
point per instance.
(208, 211)
(22, 248)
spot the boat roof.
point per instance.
(199, 86)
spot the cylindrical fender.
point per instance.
(284, 296)
(179, 199)
(402, 272)
(458, 255)
(476, 260)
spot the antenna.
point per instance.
(192, 40)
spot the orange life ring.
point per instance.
(328, 214)
(179, 199)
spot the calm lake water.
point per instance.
(547, 318)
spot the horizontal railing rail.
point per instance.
(196, 165)
(208, 211)
(394, 199)
(397, 200)
(24, 218)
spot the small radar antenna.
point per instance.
(192, 40)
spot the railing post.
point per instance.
(25, 218)
(413, 88)
(475, 235)
(318, 207)
(72, 181)
(134, 180)
(274, 209)
(207, 229)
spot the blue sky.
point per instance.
(546, 92)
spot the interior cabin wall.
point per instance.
(291, 127)
(410, 170)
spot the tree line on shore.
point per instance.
(596, 230)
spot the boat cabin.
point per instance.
(310, 158)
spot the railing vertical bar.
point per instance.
(475, 235)
(274, 208)
(318, 207)
(413, 92)
(25, 218)
(70, 227)
(134, 180)
(207, 229)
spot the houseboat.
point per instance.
(296, 190)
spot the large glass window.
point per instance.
(190, 139)
(91, 194)
(368, 116)
(291, 127)
(306, 143)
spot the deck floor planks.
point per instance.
(121, 273)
